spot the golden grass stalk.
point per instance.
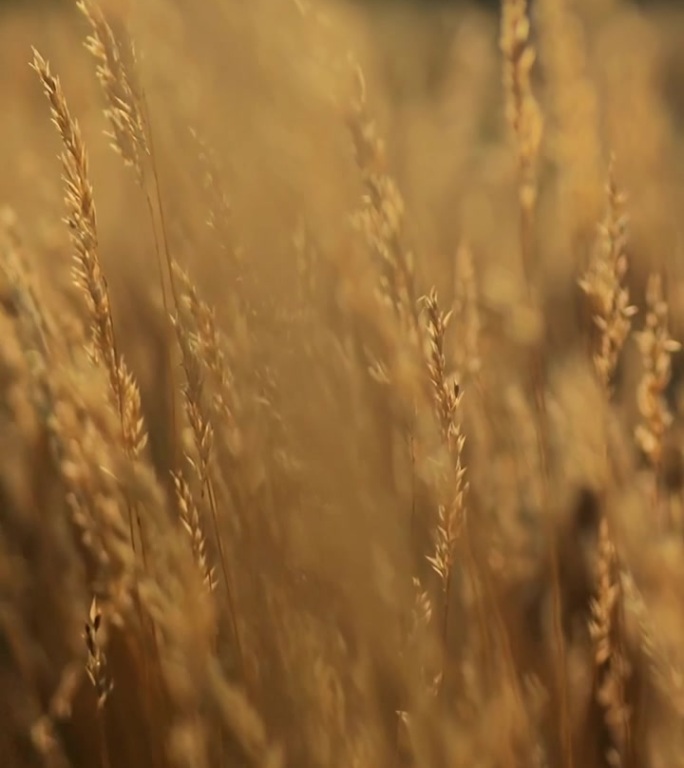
(132, 139)
(81, 220)
(88, 274)
(606, 629)
(604, 284)
(98, 674)
(452, 524)
(200, 349)
(129, 136)
(82, 223)
(96, 666)
(656, 348)
(205, 344)
(448, 398)
(523, 115)
(190, 518)
(381, 217)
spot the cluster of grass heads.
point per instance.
(292, 477)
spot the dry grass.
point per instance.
(341, 407)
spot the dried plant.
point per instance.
(467, 313)
(190, 518)
(96, 665)
(610, 656)
(381, 216)
(604, 284)
(319, 520)
(129, 135)
(203, 435)
(656, 348)
(447, 403)
(523, 114)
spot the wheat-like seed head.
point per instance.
(96, 666)
(522, 109)
(656, 348)
(81, 219)
(606, 631)
(380, 218)
(190, 519)
(123, 104)
(447, 398)
(604, 284)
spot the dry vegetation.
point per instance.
(340, 411)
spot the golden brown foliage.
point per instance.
(336, 436)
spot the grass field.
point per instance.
(341, 406)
